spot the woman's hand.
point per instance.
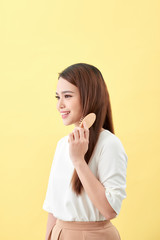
(78, 143)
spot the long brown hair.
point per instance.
(94, 98)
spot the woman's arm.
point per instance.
(78, 146)
(50, 223)
(94, 189)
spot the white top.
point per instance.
(108, 163)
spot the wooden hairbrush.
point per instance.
(89, 119)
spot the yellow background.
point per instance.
(38, 40)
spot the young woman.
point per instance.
(88, 174)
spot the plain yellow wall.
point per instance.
(38, 40)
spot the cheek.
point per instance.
(78, 107)
(79, 113)
(75, 105)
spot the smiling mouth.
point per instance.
(64, 115)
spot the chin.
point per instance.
(71, 123)
(67, 123)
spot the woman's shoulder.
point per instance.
(110, 144)
(106, 136)
(109, 139)
(63, 140)
(61, 144)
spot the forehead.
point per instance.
(64, 85)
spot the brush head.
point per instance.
(89, 119)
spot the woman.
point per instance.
(88, 175)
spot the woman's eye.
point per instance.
(66, 96)
(57, 97)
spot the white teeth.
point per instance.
(65, 113)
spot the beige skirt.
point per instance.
(71, 230)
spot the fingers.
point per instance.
(76, 134)
(86, 130)
(70, 137)
(79, 133)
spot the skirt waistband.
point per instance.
(78, 225)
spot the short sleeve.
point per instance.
(47, 205)
(112, 167)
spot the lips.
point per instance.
(65, 114)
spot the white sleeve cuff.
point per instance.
(46, 207)
(115, 199)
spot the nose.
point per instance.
(60, 104)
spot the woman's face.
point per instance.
(68, 102)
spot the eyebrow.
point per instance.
(65, 92)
